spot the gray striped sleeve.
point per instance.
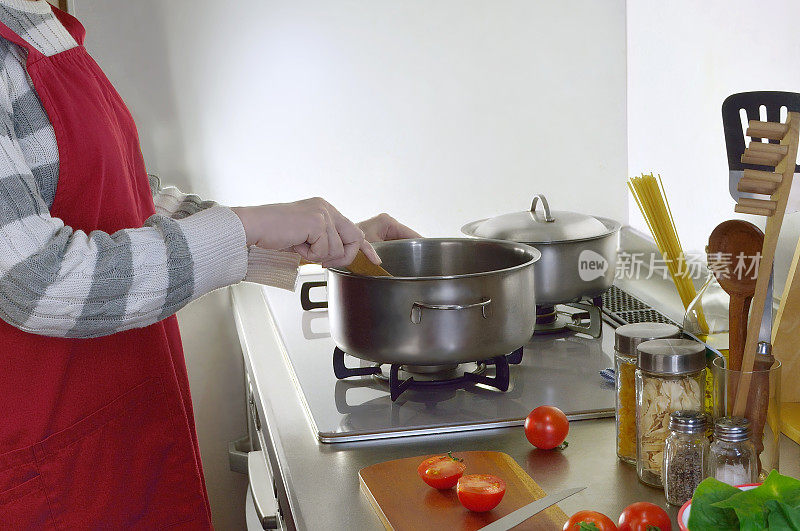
(171, 202)
(112, 277)
(40, 29)
(62, 282)
(264, 266)
(58, 281)
(180, 287)
(31, 125)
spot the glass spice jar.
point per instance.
(733, 458)
(670, 377)
(626, 339)
(685, 455)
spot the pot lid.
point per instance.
(539, 226)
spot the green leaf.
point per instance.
(782, 516)
(705, 516)
(750, 505)
(587, 526)
(454, 458)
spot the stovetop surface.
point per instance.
(557, 369)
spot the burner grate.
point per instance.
(500, 381)
(623, 308)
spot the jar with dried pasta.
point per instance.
(670, 377)
(626, 339)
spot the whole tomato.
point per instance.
(600, 521)
(546, 427)
(644, 516)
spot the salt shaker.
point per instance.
(733, 458)
(686, 453)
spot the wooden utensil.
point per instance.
(361, 266)
(404, 502)
(775, 209)
(732, 248)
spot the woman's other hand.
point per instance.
(384, 227)
(313, 228)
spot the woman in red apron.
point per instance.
(98, 432)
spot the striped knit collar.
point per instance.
(40, 7)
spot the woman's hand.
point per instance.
(384, 227)
(313, 228)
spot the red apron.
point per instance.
(96, 433)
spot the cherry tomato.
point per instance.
(644, 516)
(600, 521)
(546, 427)
(441, 471)
(480, 492)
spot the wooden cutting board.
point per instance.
(403, 501)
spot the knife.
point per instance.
(765, 332)
(523, 513)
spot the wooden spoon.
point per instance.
(361, 266)
(729, 241)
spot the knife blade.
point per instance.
(765, 332)
(523, 513)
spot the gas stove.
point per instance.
(349, 399)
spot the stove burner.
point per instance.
(545, 315)
(551, 321)
(427, 377)
(434, 373)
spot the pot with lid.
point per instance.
(579, 251)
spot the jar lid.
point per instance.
(628, 337)
(535, 226)
(688, 421)
(732, 429)
(671, 356)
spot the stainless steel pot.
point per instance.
(579, 252)
(450, 301)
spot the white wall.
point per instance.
(438, 112)
(684, 58)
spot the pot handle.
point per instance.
(540, 197)
(305, 299)
(416, 308)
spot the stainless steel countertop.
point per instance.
(322, 479)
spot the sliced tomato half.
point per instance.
(480, 492)
(441, 471)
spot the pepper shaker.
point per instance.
(686, 454)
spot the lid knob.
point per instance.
(540, 197)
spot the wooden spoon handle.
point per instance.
(737, 329)
(361, 266)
